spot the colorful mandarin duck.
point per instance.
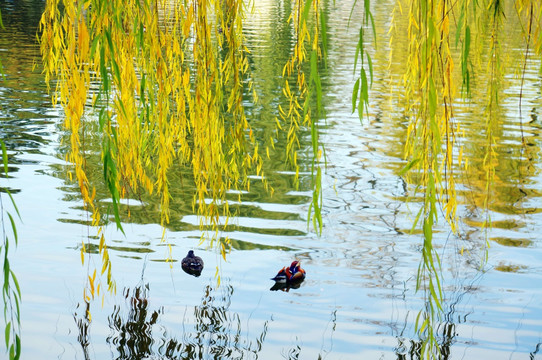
(292, 274)
(192, 264)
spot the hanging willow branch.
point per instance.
(310, 45)
(171, 77)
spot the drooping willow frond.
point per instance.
(165, 81)
(309, 47)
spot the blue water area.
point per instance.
(359, 299)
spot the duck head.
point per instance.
(295, 266)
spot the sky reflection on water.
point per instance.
(358, 300)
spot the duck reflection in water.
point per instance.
(192, 264)
(289, 277)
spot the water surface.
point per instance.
(359, 298)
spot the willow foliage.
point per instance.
(11, 292)
(436, 30)
(166, 82)
(166, 79)
(309, 47)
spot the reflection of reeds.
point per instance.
(216, 332)
(132, 334)
(83, 324)
(443, 331)
(294, 352)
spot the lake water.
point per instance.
(358, 300)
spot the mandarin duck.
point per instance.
(289, 275)
(192, 264)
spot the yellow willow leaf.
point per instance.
(91, 284)
(104, 267)
(226, 222)
(285, 70)
(83, 39)
(223, 251)
(445, 25)
(101, 244)
(109, 277)
(286, 89)
(449, 66)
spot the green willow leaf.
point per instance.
(306, 10)
(355, 95)
(116, 72)
(323, 26)
(103, 72)
(315, 77)
(16, 282)
(102, 119)
(416, 219)
(432, 98)
(4, 157)
(408, 166)
(428, 234)
(17, 347)
(7, 332)
(17, 309)
(373, 26)
(364, 87)
(94, 45)
(13, 228)
(14, 204)
(464, 60)
(359, 50)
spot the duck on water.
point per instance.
(192, 264)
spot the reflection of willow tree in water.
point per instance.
(132, 334)
(83, 325)
(444, 331)
(445, 334)
(217, 332)
(136, 332)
